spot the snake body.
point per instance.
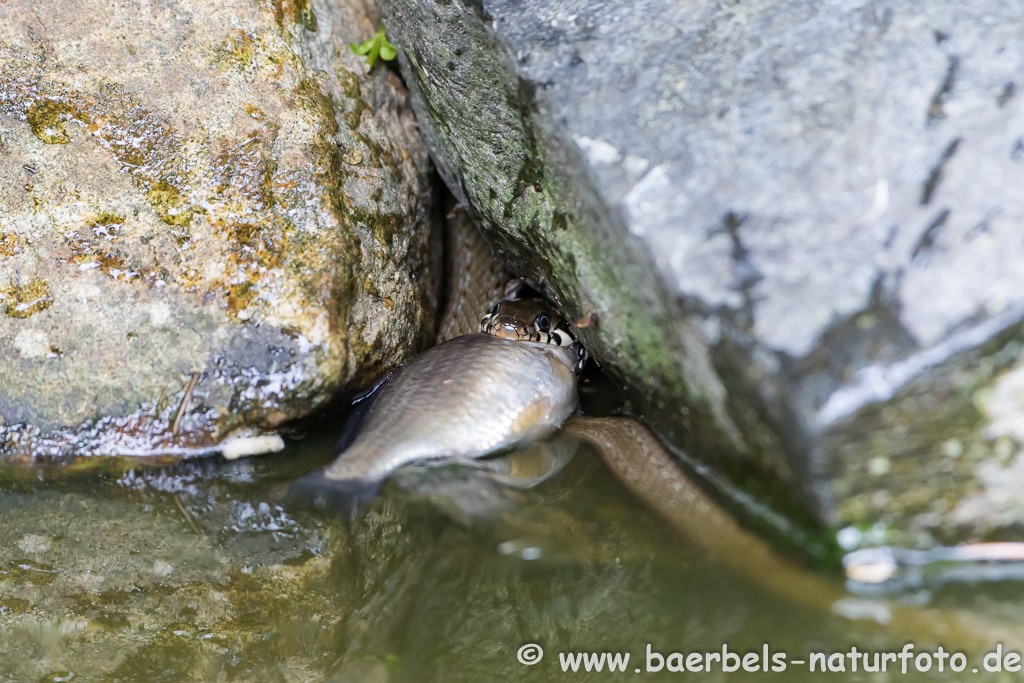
(477, 393)
(636, 457)
(474, 281)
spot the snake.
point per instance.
(508, 378)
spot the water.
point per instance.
(103, 577)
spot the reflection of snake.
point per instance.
(643, 465)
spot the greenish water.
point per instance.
(103, 577)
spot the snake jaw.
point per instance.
(510, 331)
(531, 320)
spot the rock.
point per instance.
(199, 189)
(798, 226)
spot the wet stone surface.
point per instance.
(199, 189)
(798, 225)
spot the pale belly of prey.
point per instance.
(466, 398)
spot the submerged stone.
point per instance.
(208, 205)
(798, 227)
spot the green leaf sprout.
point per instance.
(378, 46)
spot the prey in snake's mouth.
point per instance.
(531, 320)
(467, 398)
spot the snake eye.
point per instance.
(494, 309)
(543, 324)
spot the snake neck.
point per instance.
(478, 284)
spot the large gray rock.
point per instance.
(798, 223)
(201, 187)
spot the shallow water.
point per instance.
(212, 571)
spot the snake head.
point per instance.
(532, 320)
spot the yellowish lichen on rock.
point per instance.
(169, 205)
(46, 118)
(10, 244)
(23, 301)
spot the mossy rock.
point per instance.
(185, 192)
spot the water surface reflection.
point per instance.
(444, 578)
